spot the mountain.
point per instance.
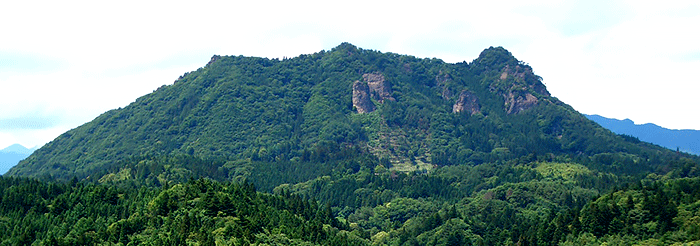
(11, 155)
(411, 114)
(17, 148)
(682, 140)
(351, 147)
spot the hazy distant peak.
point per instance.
(682, 140)
(16, 148)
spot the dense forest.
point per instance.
(359, 209)
(351, 147)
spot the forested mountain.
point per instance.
(415, 114)
(359, 147)
(682, 140)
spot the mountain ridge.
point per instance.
(18, 148)
(686, 140)
(271, 110)
(362, 148)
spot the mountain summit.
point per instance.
(18, 149)
(357, 147)
(406, 113)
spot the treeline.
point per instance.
(201, 212)
(534, 204)
(383, 209)
(264, 173)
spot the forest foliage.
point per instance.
(272, 152)
(239, 108)
(358, 209)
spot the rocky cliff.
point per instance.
(520, 88)
(372, 86)
(379, 88)
(467, 102)
(361, 100)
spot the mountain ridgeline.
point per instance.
(407, 113)
(351, 147)
(680, 140)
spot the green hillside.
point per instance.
(428, 114)
(351, 147)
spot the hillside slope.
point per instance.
(361, 148)
(411, 114)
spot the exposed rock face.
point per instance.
(441, 81)
(518, 103)
(520, 83)
(446, 93)
(523, 75)
(378, 87)
(467, 102)
(213, 59)
(361, 97)
(372, 86)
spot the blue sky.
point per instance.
(64, 63)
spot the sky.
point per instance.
(63, 63)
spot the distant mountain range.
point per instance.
(11, 155)
(682, 140)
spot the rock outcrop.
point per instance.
(467, 102)
(372, 86)
(379, 89)
(213, 59)
(520, 88)
(441, 81)
(361, 97)
(523, 75)
(519, 103)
